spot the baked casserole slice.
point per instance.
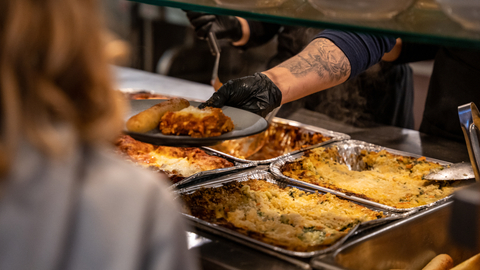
(280, 139)
(284, 217)
(176, 162)
(197, 123)
(386, 178)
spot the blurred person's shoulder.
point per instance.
(105, 168)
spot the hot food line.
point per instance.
(132, 80)
(387, 136)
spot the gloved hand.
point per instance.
(225, 27)
(256, 93)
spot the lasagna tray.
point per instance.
(178, 163)
(367, 173)
(282, 137)
(254, 206)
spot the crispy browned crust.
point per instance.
(212, 124)
(141, 153)
(231, 196)
(409, 169)
(291, 166)
(281, 139)
(150, 118)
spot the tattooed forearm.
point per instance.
(322, 57)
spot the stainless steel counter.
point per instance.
(220, 253)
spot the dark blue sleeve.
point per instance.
(362, 50)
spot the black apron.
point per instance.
(455, 81)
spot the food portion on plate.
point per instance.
(279, 139)
(150, 118)
(285, 217)
(213, 121)
(176, 162)
(382, 177)
(195, 122)
(177, 117)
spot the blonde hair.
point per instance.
(53, 72)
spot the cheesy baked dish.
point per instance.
(195, 122)
(176, 162)
(285, 217)
(386, 178)
(280, 139)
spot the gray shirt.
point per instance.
(88, 210)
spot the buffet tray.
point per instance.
(261, 173)
(410, 243)
(335, 136)
(350, 149)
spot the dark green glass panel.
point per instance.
(423, 22)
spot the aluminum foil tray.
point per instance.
(409, 243)
(336, 136)
(349, 149)
(263, 174)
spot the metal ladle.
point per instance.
(469, 121)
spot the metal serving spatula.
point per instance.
(457, 171)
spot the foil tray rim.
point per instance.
(275, 168)
(336, 136)
(255, 173)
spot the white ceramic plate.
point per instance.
(246, 124)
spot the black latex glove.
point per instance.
(256, 93)
(225, 27)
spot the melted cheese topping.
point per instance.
(178, 161)
(286, 217)
(194, 110)
(388, 179)
(180, 166)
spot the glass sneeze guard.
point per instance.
(422, 22)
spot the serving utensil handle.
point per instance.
(470, 122)
(215, 50)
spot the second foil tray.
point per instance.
(349, 151)
(282, 137)
(258, 173)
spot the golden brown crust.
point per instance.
(440, 262)
(176, 162)
(284, 217)
(150, 118)
(388, 179)
(194, 122)
(281, 139)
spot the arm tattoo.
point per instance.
(323, 58)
